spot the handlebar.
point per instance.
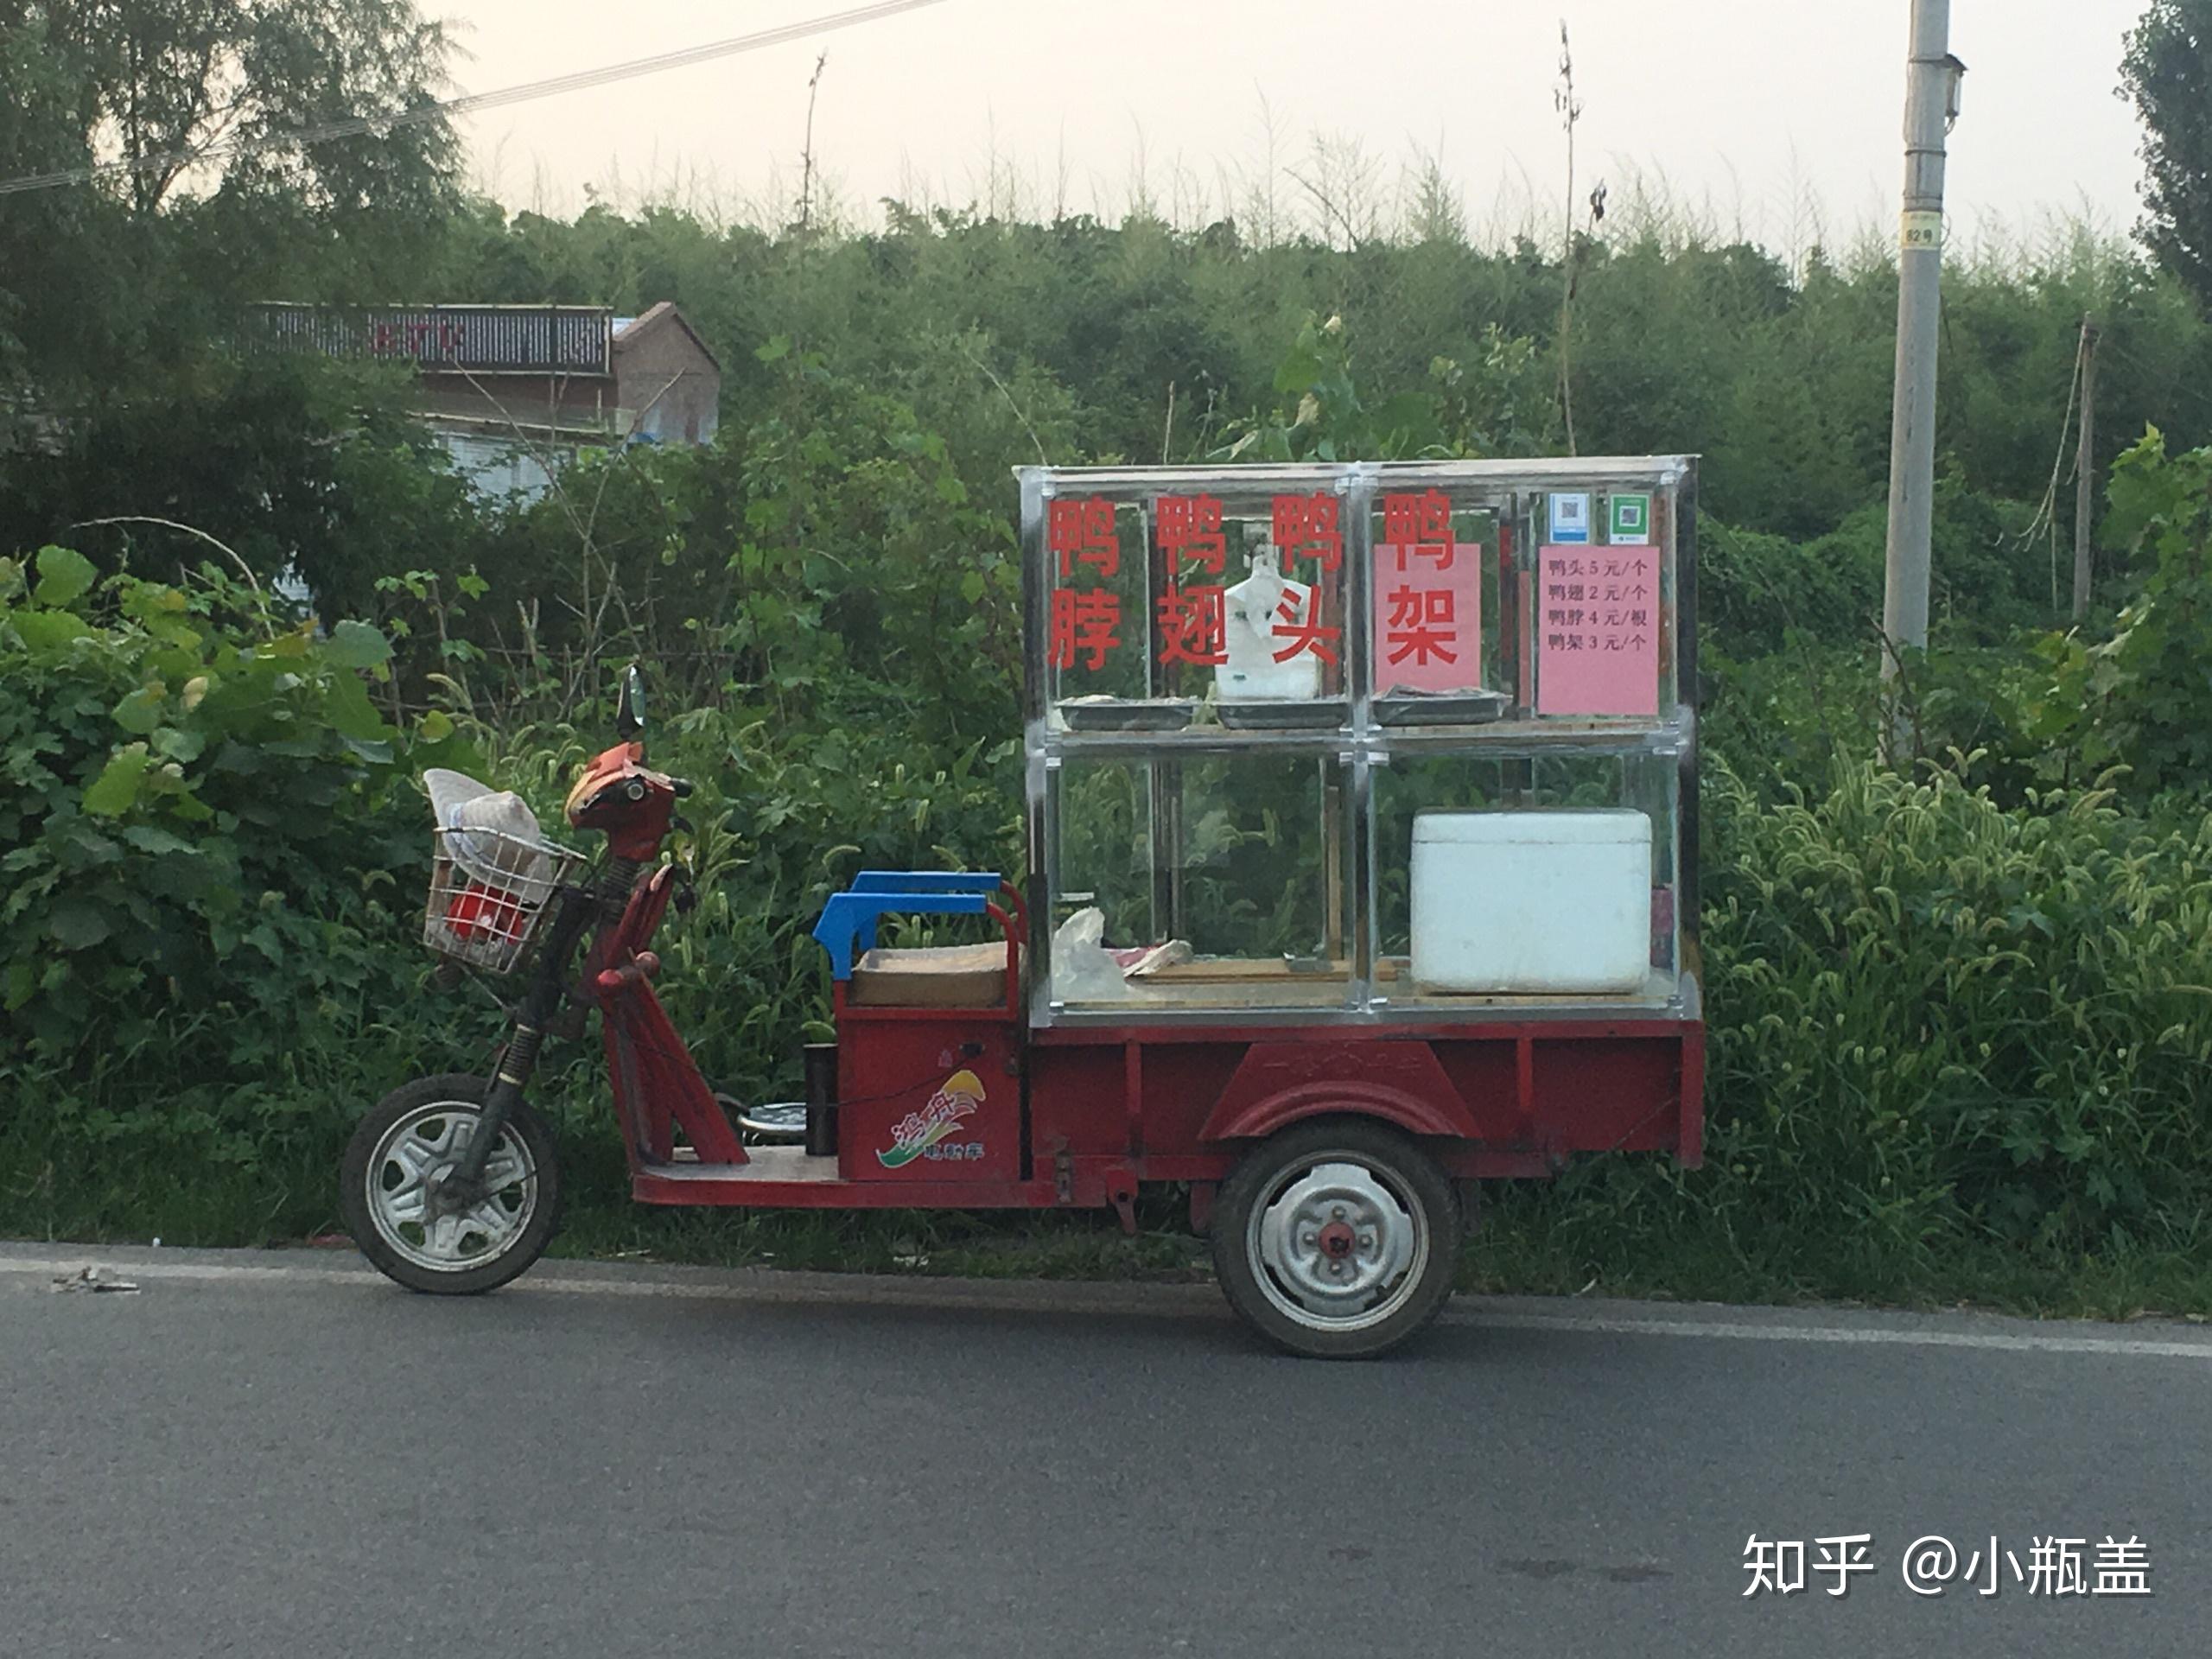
(643, 966)
(679, 787)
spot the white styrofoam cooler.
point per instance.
(1532, 902)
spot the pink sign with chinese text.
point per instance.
(1428, 617)
(1597, 628)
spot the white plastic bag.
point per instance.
(1082, 969)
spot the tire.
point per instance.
(1336, 1239)
(415, 1128)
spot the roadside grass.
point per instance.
(1531, 1239)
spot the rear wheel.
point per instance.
(1337, 1239)
(394, 1196)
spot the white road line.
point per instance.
(1867, 1336)
(1173, 1300)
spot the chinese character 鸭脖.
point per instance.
(1083, 624)
(1084, 529)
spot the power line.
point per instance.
(472, 103)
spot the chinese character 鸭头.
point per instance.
(1308, 524)
(1306, 632)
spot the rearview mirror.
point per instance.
(630, 711)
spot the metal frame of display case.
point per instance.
(1516, 491)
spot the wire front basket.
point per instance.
(489, 890)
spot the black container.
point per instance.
(821, 1059)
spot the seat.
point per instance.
(937, 977)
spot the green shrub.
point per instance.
(1934, 1016)
(206, 871)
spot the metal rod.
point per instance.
(1931, 75)
(2085, 470)
(821, 1063)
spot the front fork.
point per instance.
(518, 1058)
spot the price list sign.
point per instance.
(1596, 627)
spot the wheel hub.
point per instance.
(1338, 1246)
(428, 1217)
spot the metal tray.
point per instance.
(1438, 708)
(779, 1122)
(1253, 715)
(1128, 713)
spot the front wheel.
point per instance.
(1337, 1239)
(395, 1203)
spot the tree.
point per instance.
(157, 85)
(199, 108)
(2167, 74)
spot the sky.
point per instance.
(1778, 119)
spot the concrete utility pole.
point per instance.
(1930, 105)
(2085, 470)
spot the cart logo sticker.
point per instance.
(920, 1135)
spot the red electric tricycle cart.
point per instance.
(1362, 801)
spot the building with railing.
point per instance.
(514, 391)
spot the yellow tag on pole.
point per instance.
(1921, 231)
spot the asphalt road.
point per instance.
(283, 1455)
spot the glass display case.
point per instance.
(1361, 742)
